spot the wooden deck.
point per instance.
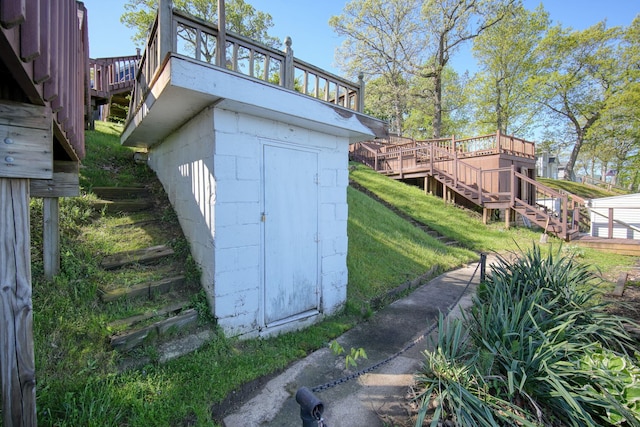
(241, 55)
(491, 171)
(618, 246)
(111, 82)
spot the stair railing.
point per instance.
(552, 205)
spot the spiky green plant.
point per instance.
(540, 351)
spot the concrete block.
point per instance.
(237, 236)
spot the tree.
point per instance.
(382, 39)
(507, 57)
(580, 74)
(455, 105)
(241, 18)
(448, 24)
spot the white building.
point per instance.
(621, 213)
(257, 174)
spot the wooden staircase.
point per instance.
(448, 163)
(151, 291)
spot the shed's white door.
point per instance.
(290, 232)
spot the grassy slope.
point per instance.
(77, 381)
(582, 190)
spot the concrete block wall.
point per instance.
(184, 164)
(211, 168)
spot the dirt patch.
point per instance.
(628, 305)
(239, 397)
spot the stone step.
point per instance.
(121, 193)
(144, 290)
(174, 318)
(140, 256)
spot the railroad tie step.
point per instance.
(144, 290)
(126, 205)
(121, 193)
(174, 319)
(139, 256)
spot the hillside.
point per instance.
(80, 378)
(582, 190)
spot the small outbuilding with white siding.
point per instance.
(616, 217)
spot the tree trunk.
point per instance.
(437, 104)
(569, 173)
(16, 315)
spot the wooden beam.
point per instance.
(26, 141)
(17, 362)
(64, 183)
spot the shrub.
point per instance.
(539, 351)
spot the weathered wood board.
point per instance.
(26, 141)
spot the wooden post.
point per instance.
(16, 330)
(289, 70)
(26, 151)
(51, 238)
(507, 218)
(610, 228)
(65, 183)
(361, 94)
(485, 216)
(221, 48)
(165, 30)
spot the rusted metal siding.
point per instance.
(44, 49)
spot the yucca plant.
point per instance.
(533, 331)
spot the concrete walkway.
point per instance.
(377, 398)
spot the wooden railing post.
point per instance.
(610, 223)
(165, 30)
(565, 215)
(221, 48)
(431, 158)
(479, 178)
(498, 147)
(289, 71)
(455, 168)
(513, 185)
(361, 93)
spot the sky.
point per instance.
(306, 22)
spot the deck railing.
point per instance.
(45, 48)
(178, 33)
(112, 75)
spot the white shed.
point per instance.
(256, 172)
(617, 215)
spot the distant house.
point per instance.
(616, 217)
(547, 165)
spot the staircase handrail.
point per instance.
(611, 220)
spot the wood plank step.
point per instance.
(140, 256)
(150, 333)
(147, 289)
(121, 193)
(130, 205)
(128, 322)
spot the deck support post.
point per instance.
(486, 214)
(507, 218)
(17, 361)
(51, 238)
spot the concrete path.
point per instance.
(377, 398)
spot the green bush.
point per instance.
(536, 349)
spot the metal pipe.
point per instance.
(311, 408)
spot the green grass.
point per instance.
(78, 379)
(581, 190)
(461, 225)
